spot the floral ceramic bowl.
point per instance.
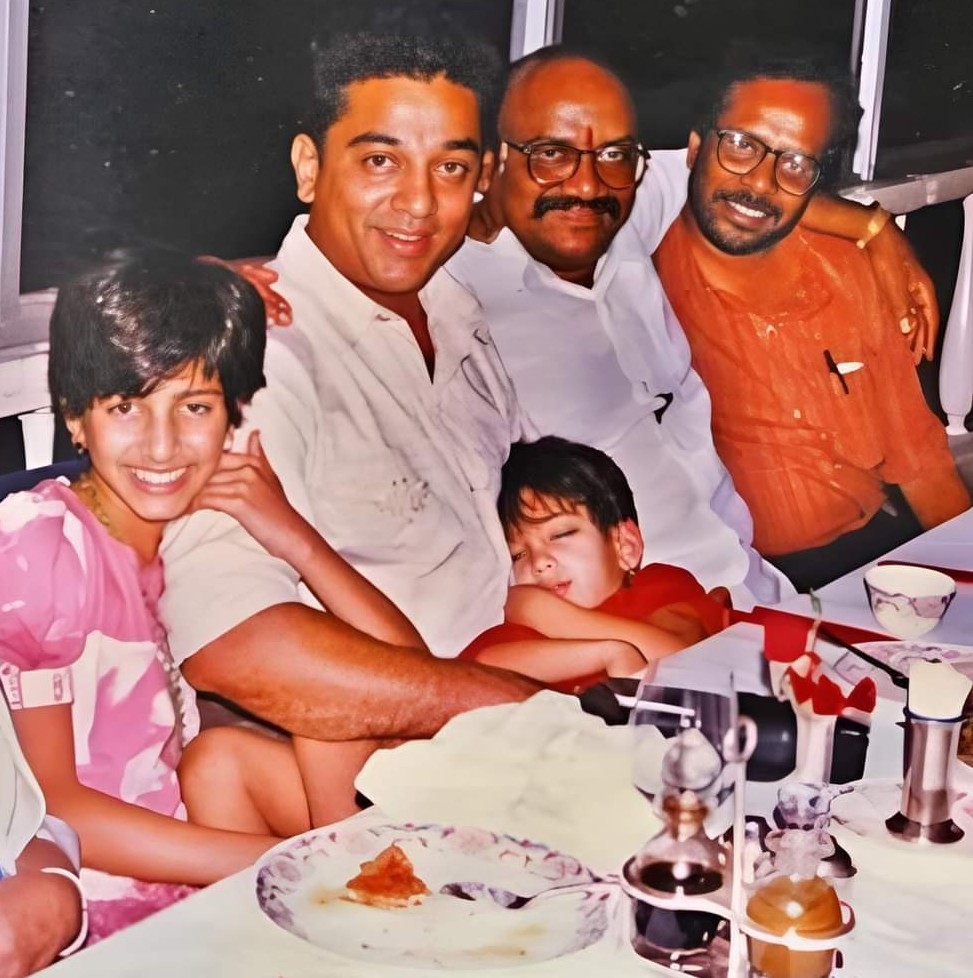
(908, 601)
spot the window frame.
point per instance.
(23, 318)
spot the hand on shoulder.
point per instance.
(246, 487)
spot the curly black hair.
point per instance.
(746, 63)
(350, 58)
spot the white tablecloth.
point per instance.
(913, 922)
(948, 545)
(220, 933)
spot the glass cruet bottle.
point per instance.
(681, 859)
(790, 898)
(678, 862)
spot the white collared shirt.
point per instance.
(596, 365)
(398, 472)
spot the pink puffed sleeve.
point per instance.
(42, 593)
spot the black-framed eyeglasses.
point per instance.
(740, 152)
(618, 165)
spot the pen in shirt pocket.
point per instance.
(840, 369)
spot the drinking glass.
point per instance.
(672, 710)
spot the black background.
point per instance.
(171, 120)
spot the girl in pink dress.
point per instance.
(152, 357)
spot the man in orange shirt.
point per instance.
(817, 411)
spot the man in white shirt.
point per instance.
(558, 255)
(580, 318)
(387, 416)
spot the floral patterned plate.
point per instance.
(301, 887)
(900, 655)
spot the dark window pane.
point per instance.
(927, 103)
(172, 119)
(662, 49)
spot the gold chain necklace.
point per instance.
(85, 489)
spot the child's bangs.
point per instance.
(536, 507)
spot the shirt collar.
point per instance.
(801, 297)
(454, 314)
(538, 275)
(305, 270)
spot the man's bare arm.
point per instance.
(900, 275)
(318, 677)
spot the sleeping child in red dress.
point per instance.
(579, 608)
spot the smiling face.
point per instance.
(151, 454)
(559, 548)
(391, 189)
(567, 226)
(745, 213)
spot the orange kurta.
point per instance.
(808, 448)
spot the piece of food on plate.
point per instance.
(388, 880)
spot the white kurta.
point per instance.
(609, 366)
(398, 472)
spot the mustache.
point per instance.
(600, 205)
(745, 199)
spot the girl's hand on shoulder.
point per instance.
(255, 271)
(245, 487)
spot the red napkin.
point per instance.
(785, 634)
(825, 695)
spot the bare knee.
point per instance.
(208, 762)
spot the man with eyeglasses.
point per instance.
(580, 319)
(817, 410)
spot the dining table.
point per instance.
(947, 546)
(545, 770)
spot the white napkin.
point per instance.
(937, 690)
(541, 770)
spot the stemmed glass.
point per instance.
(671, 710)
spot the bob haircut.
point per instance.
(566, 473)
(142, 315)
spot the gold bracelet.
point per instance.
(876, 222)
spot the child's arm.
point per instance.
(118, 837)
(554, 660)
(557, 618)
(246, 488)
(694, 620)
(328, 771)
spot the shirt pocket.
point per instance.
(479, 409)
(375, 509)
